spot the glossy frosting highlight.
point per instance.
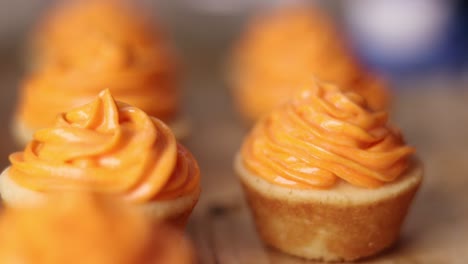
(323, 135)
(86, 46)
(288, 46)
(110, 147)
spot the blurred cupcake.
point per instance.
(82, 228)
(326, 177)
(287, 46)
(112, 148)
(86, 46)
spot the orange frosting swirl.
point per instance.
(88, 46)
(84, 228)
(111, 147)
(323, 135)
(287, 46)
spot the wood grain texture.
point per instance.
(433, 115)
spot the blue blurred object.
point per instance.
(461, 32)
(402, 38)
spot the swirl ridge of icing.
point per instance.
(322, 135)
(110, 147)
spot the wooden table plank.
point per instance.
(435, 120)
(234, 237)
(433, 117)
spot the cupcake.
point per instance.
(86, 46)
(281, 49)
(111, 148)
(83, 228)
(326, 177)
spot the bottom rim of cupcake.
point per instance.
(341, 223)
(175, 211)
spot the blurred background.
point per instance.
(420, 45)
(401, 38)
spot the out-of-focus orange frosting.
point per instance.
(323, 135)
(82, 228)
(86, 46)
(77, 32)
(288, 46)
(111, 147)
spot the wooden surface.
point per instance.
(434, 119)
(433, 115)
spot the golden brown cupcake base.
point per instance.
(174, 212)
(343, 223)
(22, 134)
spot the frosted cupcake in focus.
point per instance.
(326, 177)
(110, 148)
(83, 47)
(282, 49)
(83, 228)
